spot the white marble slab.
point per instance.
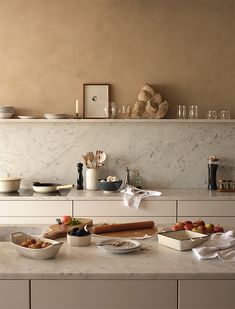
(153, 261)
(167, 194)
(167, 154)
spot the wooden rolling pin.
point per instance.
(106, 228)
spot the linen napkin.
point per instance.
(132, 196)
(220, 245)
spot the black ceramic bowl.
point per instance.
(109, 186)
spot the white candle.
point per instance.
(77, 106)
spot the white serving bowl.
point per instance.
(7, 109)
(79, 241)
(6, 115)
(39, 254)
(181, 240)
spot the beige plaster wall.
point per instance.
(49, 48)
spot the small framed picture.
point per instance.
(96, 100)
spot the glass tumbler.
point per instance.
(225, 114)
(181, 112)
(212, 115)
(193, 112)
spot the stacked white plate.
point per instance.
(6, 112)
(55, 116)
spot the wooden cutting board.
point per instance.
(59, 230)
(131, 233)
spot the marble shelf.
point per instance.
(105, 120)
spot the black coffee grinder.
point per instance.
(212, 169)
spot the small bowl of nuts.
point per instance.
(110, 184)
(35, 247)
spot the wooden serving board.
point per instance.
(131, 233)
(59, 230)
(68, 228)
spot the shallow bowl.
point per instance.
(109, 186)
(6, 115)
(39, 254)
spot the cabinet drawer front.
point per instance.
(14, 294)
(35, 208)
(206, 208)
(28, 220)
(104, 294)
(206, 294)
(117, 208)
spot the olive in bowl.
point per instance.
(79, 237)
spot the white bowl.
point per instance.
(38, 254)
(79, 241)
(6, 115)
(7, 109)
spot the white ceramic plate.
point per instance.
(114, 245)
(55, 116)
(26, 117)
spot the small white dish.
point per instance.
(39, 254)
(181, 240)
(78, 241)
(6, 115)
(119, 245)
(55, 116)
(26, 117)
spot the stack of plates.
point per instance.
(55, 116)
(6, 112)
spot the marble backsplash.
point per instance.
(167, 155)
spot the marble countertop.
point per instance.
(167, 194)
(152, 261)
(80, 195)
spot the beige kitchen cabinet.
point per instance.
(33, 212)
(111, 211)
(209, 294)
(222, 212)
(104, 294)
(14, 294)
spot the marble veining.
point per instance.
(153, 261)
(167, 155)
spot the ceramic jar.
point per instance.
(92, 175)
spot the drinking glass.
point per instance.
(181, 112)
(113, 110)
(212, 115)
(193, 112)
(224, 114)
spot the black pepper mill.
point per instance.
(80, 176)
(212, 169)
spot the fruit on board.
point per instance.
(178, 226)
(187, 222)
(218, 229)
(201, 229)
(66, 220)
(198, 226)
(199, 223)
(188, 226)
(209, 227)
